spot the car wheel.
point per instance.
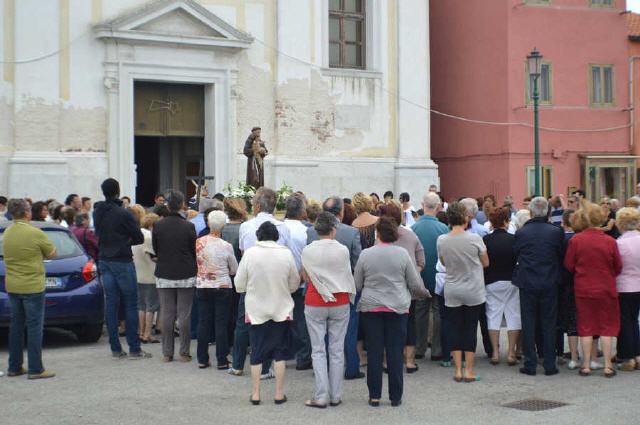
(89, 333)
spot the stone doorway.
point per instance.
(168, 137)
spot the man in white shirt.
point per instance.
(408, 209)
(263, 204)
(296, 214)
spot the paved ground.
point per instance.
(91, 388)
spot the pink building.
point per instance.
(479, 72)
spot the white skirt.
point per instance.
(503, 299)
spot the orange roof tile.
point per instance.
(633, 24)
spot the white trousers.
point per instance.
(503, 299)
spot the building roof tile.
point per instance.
(633, 25)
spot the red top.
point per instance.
(594, 260)
(314, 299)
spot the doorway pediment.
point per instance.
(183, 22)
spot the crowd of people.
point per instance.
(346, 284)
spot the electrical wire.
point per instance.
(45, 56)
(382, 87)
(457, 117)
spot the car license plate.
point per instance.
(53, 282)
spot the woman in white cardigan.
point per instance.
(268, 274)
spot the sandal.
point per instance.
(494, 362)
(611, 372)
(585, 372)
(313, 403)
(471, 379)
(512, 361)
(457, 378)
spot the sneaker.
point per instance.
(572, 365)
(140, 355)
(235, 372)
(268, 375)
(118, 356)
(42, 375)
(20, 372)
(595, 365)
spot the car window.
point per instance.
(66, 245)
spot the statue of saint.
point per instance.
(255, 151)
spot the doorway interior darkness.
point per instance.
(169, 137)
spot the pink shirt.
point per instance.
(629, 247)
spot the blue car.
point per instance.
(74, 296)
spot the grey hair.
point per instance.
(216, 220)
(431, 200)
(266, 200)
(325, 223)
(333, 205)
(296, 207)
(18, 208)
(52, 207)
(175, 200)
(520, 218)
(614, 203)
(81, 218)
(210, 203)
(539, 207)
(471, 205)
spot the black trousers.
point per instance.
(542, 304)
(444, 330)
(484, 331)
(214, 311)
(463, 327)
(411, 326)
(629, 338)
(385, 332)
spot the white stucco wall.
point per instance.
(63, 125)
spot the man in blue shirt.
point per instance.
(428, 229)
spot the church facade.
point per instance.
(161, 93)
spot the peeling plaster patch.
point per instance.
(6, 126)
(353, 117)
(83, 129)
(255, 105)
(45, 127)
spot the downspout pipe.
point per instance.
(632, 60)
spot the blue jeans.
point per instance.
(119, 281)
(26, 310)
(352, 359)
(301, 346)
(241, 340)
